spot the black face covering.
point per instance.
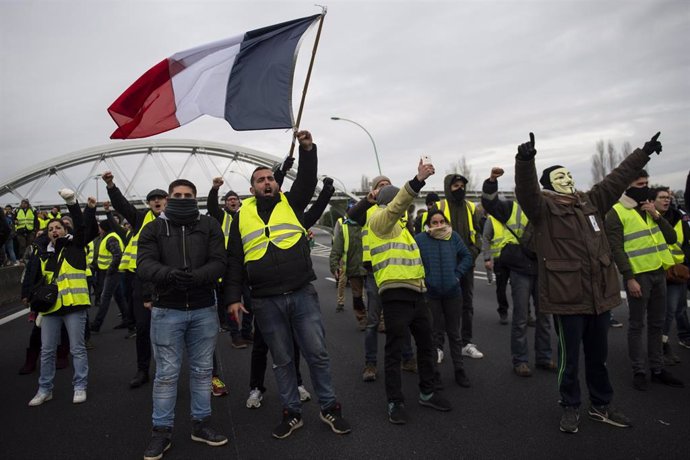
(459, 194)
(182, 211)
(639, 194)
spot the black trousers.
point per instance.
(467, 286)
(142, 318)
(590, 331)
(403, 309)
(502, 277)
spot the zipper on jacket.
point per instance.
(184, 262)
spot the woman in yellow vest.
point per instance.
(65, 264)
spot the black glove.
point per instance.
(287, 164)
(180, 279)
(653, 145)
(527, 151)
(328, 185)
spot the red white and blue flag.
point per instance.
(247, 80)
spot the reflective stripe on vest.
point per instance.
(25, 219)
(676, 248)
(643, 241)
(346, 241)
(283, 230)
(366, 255)
(43, 223)
(445, 209)
(395, 259)
(105, 257)
(73, 290)
(227, 221)
(129, 255)
(516, 222)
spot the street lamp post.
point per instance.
(378, 163)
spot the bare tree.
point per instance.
(606, 159)
(464, 169)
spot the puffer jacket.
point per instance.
(198, 248)
(445, 263)
(577, 274)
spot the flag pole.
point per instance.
(306, 81)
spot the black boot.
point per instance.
(140, 378)
(30, 363)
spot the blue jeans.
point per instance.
(522, 287)
(371, 338)
(173, 332)
(50, 336)
(9, 249)
(296, 314)
(676, 307)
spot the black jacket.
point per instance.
(198, 248)
(280, 270)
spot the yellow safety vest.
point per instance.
(73, 290)
(676, 248)
(43, 223)
(89, 257)
(346, 241)
(283, 229)
(395, 259)
(516, 222)
(643, 241)
(105, 257)
(58, 216)
(25, 219)
(129, 256)
(366, 255)
(227, 221)
(445, 209)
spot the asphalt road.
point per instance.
(500, 416)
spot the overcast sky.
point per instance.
(446, 79)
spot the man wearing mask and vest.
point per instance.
(268, 249)
(156, 200)
(677, 276)
(639, 238)
(182, 254)
(578, 281)
(464, 219)
(399, 274)
(509, 223)
(26, 224)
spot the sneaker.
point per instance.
(339, 308)
(409, 365)
(40, 398)
(570, 420)
(547, 366)
(615, 323)
(254, 399)
(218, 388)
(131, 334)
(202, 432)
(160, 442)
(640, 381)
(670, 358)
(439, 356)
(140, 378)
(369, 374)
(291, 422)
(79, 396)
(397, 413)
(332, 416)
(523, 370)
(89, 345)
(435, 401)
(238, 343)
(684, 343)
(461, 378)
(304, 395)
(503, 318)
(248, 339)
(607, 414)
(667, 378)
(470, 350)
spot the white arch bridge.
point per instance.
(138, 167)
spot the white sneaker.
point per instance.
(439, 356)
(254, 400)
(470, 350)
(40, 398)
(79, 396)
(304, 395)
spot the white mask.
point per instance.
(562, 181)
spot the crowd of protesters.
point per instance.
(180, 277)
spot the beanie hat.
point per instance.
(545, 179)
(431, 198)
(375, 181)
(386, 194)
(229, 194)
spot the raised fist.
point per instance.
(653, 145)
(108, 178)
(527, 151)
(68, 195)
(496, 173)
(91, 202)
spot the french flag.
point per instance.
(246, 80)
